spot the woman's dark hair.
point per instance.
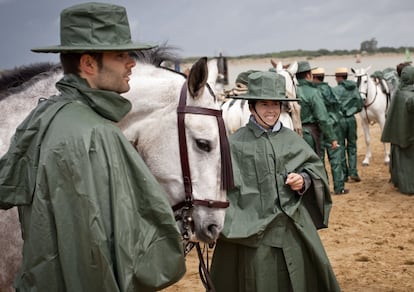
(252, 102)
(70, 61)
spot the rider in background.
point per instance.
(313, 113)
(93, 217)
(351, 103)
(334, 110)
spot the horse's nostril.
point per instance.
(214, 230)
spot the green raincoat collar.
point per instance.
(258, 130)
(108, 104)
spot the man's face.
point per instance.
(115, 72)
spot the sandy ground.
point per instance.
(370, 239)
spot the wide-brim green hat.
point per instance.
(304, 66)
(94, 27)
(266, 85)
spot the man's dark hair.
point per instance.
(319, 77)
(302, 75)
(70, 61)
(342, 75)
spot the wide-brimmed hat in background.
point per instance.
(266, 85)
(318, 71)
(94, 27)
(341, 71)
(304, 66)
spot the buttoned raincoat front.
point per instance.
(93, 217)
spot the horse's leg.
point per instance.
(365, 127)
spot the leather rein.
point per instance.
(186, 207)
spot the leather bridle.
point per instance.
(367, 103)
(189, 202)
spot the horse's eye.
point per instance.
(203, 145)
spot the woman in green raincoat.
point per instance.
(281, 196)
(399, 131)
(93, 217)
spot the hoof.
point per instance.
(365, 164)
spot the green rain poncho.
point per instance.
(349, 97)
(399, 131)
(313, 112)
(265, 212)
(93, 217)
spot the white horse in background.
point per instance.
(236, 112)
(374, 109)
(152, 127)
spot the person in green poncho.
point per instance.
(281, 197)
(399, 131)
(334, 111)
(93, 217)
(313, 113)
(351, 103)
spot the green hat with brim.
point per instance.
(94, 27)
(264, 85)
(304, 66)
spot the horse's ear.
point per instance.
(279, 66)
(197, 78)
(293, 68)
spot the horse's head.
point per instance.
(152, 126)
(291, 85)
(289, 74)
(362, 80)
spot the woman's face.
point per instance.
(267, 112)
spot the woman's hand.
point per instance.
(295, 181)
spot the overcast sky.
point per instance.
(206, 28)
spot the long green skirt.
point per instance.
(300, 265)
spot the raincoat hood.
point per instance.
(108, 104)
(348, 84)
(407, 78)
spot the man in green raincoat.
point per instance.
(281, 197)
(93, 217)
(313, 113)
(351, 103)
(334, 111)
(399, 131)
